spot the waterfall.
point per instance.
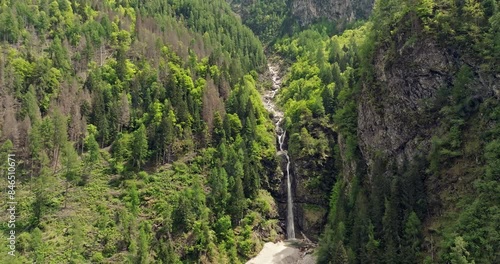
(281, 135)
(290, 228)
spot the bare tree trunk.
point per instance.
(66, 194)
(82, 144)
(2, 72)
(31, 172)
(56, 158)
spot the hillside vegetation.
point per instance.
(138, 133)
(396, 120)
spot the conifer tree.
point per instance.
(42, 189)
(71, 164)
(77, 242)
(237, 202)
(144, 238)
(411, 239)
(167, 253)
(59, 136)
(93, 149)
(340, 254)
(459, 253)
(219, 195)
(139, 147)
(390, 224)
(218, 131)
(37, 245)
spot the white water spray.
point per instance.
(281, 134)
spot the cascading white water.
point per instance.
(281, 134)
(290, 228)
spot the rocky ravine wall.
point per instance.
(312, 175)
(312, 179)
(394, 117)
(306, 11)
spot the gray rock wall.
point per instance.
(395, 112)
(307, 11)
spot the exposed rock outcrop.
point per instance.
(392, 114)
(313, 175)
(306, 11)
(395, 115)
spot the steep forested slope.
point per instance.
(397, 121)
(138, 137)
(271, 19)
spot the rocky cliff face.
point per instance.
(311, 201)
(396, 116)
(394, 120)
(313, 175)
(307, 11)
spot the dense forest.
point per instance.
(361, 106)
(138, 132)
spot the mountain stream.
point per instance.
(283, 252)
